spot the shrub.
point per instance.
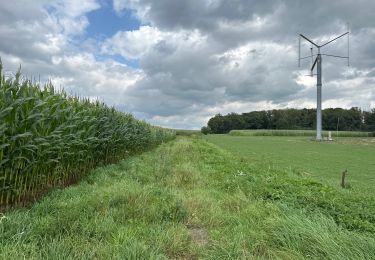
(205, 130)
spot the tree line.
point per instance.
(353, 119)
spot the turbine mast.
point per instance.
(319, 97)
(318, 63)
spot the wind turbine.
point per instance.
(318, 63)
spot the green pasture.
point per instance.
(324, 161)
(285, 132)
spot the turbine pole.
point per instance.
(319, 97)
(318, 64)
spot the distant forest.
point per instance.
(353, 119)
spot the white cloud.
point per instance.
(132, 44)
(70, 14)
(73, 8)
(107, 80)
(44, 45)
(52, 44)
(135, 44)
(141, 10)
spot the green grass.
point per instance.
(189, 199)
(324, 161)
(312, 133)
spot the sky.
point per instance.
(178, 63)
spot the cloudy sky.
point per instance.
(176, 63)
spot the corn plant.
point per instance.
(48, 138)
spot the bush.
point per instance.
(205, 130)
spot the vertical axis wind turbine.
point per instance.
(318, 63)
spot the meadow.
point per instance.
(324, 161)
(190, 199)
(311, 133)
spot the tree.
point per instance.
(369, 120)
(353, 119)
(255, 120)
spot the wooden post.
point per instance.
(343, 178)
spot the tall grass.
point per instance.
(267, 132)
(48, 138)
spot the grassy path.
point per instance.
(189, 199)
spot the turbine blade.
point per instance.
(334, 39)
(348, 45)
(307, 39)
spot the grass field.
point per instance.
(312, 133)
(322, 160)
(189, 199)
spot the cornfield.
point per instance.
(48, 138)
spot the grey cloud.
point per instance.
(313, 17)
(24, 26)
(200, 14)
(22, 10)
